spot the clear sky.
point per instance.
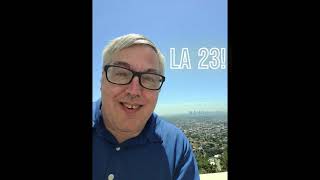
(178, 24)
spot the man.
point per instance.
(130, 142)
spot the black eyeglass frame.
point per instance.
(139, 74)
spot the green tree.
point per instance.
(224, 160)
(203, 164)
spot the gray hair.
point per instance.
(126, 41)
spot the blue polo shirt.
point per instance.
(160, 152)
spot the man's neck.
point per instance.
(121, 136)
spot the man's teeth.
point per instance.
(130, 106)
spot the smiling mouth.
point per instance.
(131, 106)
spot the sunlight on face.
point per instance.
(127, 108)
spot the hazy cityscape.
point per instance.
(208, 134)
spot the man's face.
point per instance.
(127, 108)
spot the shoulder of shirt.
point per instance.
(164, 129)
(95, 109)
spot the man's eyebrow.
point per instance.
(126, 65)
(121, 63)
(152, 71)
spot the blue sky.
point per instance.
(178, 24)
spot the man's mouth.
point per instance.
(131, 106)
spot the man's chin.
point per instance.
(129, 129)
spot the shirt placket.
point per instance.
(113, 171)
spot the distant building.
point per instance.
(211, 161)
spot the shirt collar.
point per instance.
(150, 129)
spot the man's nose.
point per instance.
(134, 88)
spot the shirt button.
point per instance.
(110, 177)
(117, 148)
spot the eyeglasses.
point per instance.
(122, 76)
